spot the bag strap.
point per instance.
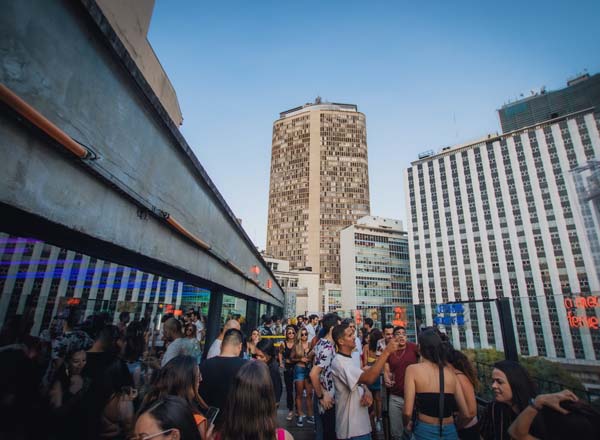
(280, 434)
(442, 398)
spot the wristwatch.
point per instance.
(533, 405)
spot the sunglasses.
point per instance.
(303, 334)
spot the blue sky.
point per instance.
(426, 76)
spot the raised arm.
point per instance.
(371, 374)
(519, 429)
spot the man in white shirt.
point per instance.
(352, 397)
(357, 352)
(178, 345)
(215, 348)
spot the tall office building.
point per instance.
(376, 270)
(510, 216)
(319, 184)
(581, 93)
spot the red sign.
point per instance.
(399, 317)
(582, 303)
(357, 317)
(582, 321)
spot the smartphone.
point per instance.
(211, 414)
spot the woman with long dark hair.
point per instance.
(71, 387)
(180, 377)
(168, 417)
(512, 388)
(467, 378)
(250, 411)
(433, 389)
(266, 352)
(288, 373)
(252, 341)
(116, 393)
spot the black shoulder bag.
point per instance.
(442, 398)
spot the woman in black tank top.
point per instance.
(288, 373)
(432, 388)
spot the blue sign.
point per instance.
(449, 308)
(449, 314)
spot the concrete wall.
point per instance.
(53, 55)
(310, 281)
(131, 19)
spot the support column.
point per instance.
(508, 332)
(251, 316)
(213, 323)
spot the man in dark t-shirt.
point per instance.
(395, 371)
(218, 372)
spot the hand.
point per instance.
(409, 427)
(76, 384)
(367, 398)
(391, 346)
(304, 359)
(210, 432)
(388, 381)
(327, 400)
(553, 400)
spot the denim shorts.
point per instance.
(375, 386)
(427, 431)
(300, 373)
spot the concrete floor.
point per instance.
(307, 432)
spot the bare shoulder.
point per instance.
(288, 436)
(413, 369)
(450, 373)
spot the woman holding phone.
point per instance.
(181, 377)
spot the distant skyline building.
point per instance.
(510, 216)
(332, 299)
(376, 270)
(301, 287)
(581, 93)
(319, 184)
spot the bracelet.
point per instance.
(533, 405)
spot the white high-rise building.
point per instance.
(513, 216)
(375, 270)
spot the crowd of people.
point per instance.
(96, 379)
